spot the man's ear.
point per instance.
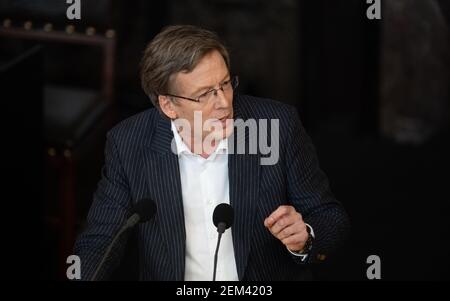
(167, 106)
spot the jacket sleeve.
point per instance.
(109, 210)
(309, 192)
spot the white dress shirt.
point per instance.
(204, 185)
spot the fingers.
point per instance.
(295, 242)
(296, 228)
(277, 214)
(287, 225)
(284, 222)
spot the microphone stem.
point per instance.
(215, 256)
(130, 223)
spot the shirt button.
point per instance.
(210, 202)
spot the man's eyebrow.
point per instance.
(207, 88)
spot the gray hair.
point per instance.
(175, 49)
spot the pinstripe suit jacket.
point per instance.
(140, 164)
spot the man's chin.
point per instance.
(227, 129)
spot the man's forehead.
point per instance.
(205, 75)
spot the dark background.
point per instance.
(373, 95)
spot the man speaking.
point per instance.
(201, 145)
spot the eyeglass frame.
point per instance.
(234, 80)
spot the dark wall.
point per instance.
(21, 159)
(339, 64)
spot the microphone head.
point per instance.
(223, 213)
(145, 208)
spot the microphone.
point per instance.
(223, 219)
(142, 211)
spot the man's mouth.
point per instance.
(224, 118)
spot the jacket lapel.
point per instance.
(163, 178)
(243, 170)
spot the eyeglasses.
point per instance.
(226, 87)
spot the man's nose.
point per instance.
(221, 100)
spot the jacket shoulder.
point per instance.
(137, 127)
